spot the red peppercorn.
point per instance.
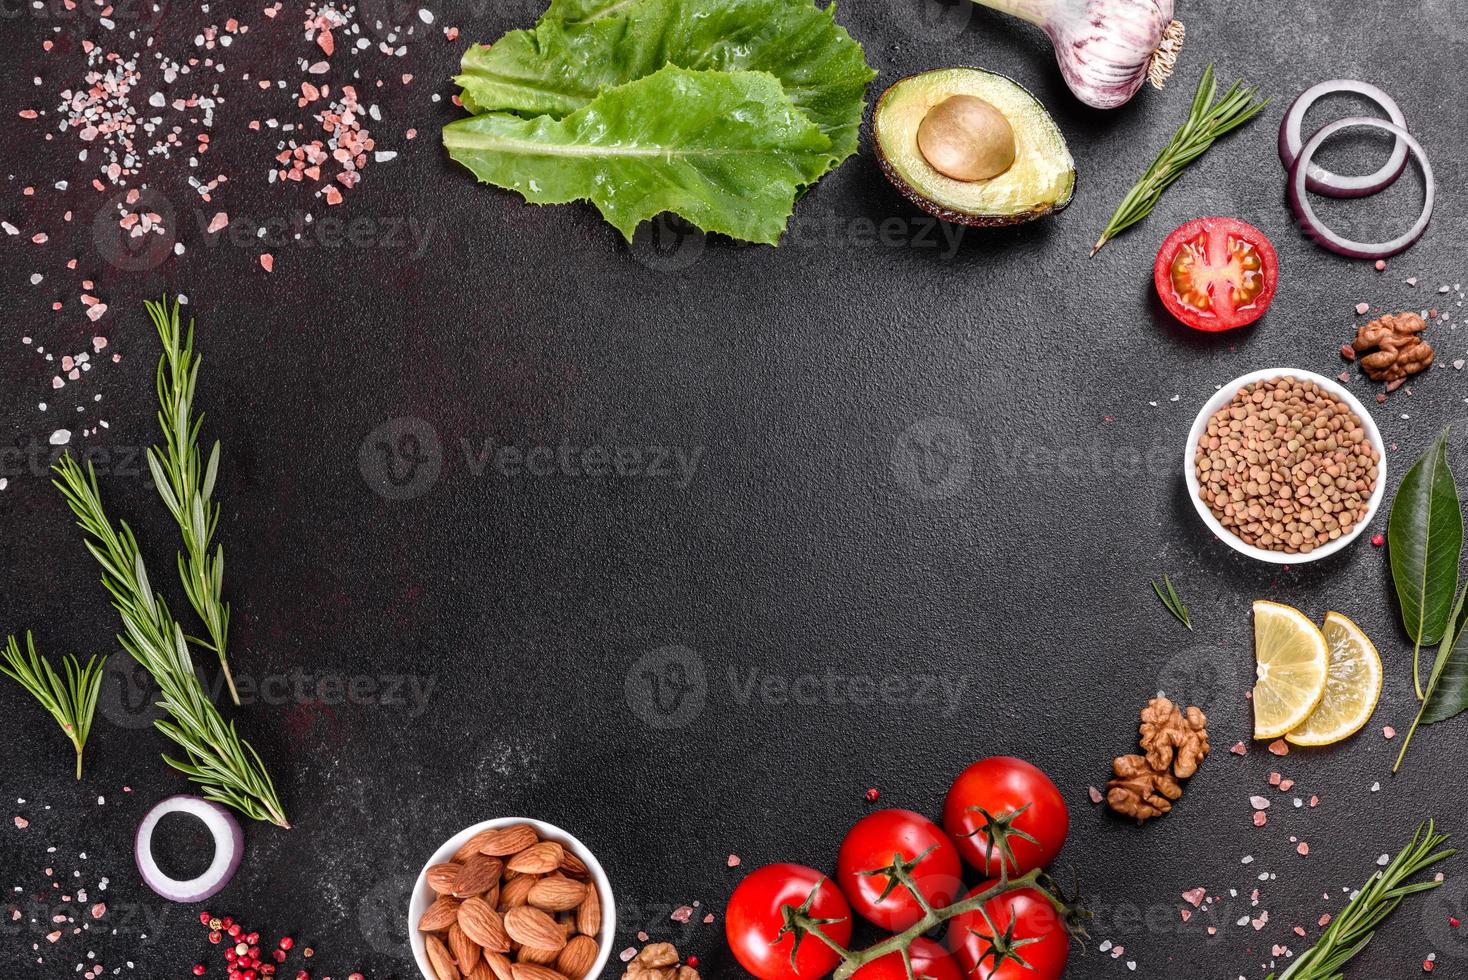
(1377, 540)
(198, 969)
(872, 795)
(302, 975)
(1427, 966)
(355, 976)
(693, 962)
(215, 937)
(253, 938)
(279, 955)
(1453, 921)
(287, 942)
(227, 922)
(204, 918)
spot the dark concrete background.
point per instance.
(903, 472)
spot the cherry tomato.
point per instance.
(1033, 917)
(1002, 786)
(1216, 273)
(753, 920)
(929, 960)
(873, 843)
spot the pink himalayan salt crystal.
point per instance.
(1259, 802)
(1303, 850)
(1194, 896)
(682, 913)
(267, 262)
(21, 823)
(1187, 914)
(1389, 732)
(1274, 778)
(733, 860)
(220, 220)
(1361, 308)
(1239, 749)
(627, 954)
(1285, 785)
(1279, 747)
(1261, 818)
(1094, 794)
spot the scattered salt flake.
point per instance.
(1279, 747)
(1195, 896)
(1324, 920)
(220, 220)
(1259, 802)
(1261, 921)
(1094, 794)
(682, 913)
(733, 860)
(1389, 732)
(1384, 860)
(21, 823)
(1261, 818)
(99, 910)
(1303, 850)
(1239, 749)
(627, 954)
(1362, 307)
(60, 437)
(267, 261)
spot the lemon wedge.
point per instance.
(1293, 664)
(1352, 686)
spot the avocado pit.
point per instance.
(966, 138)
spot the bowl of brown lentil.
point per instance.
(1285, 466)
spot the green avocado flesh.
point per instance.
(1041, 181)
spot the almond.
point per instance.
(534, 971)
(515, 892)
(533, 927)
(491, 895)
(439, 959)
(465, 950)
(483, 924)
(541, 859)
(574, 866)
(476, 875)
(471, 846)
(482, 971)
(507, 840)
(441, 877)
(532, 954)
(556, 894)
(577, 958)
(588, 914)
(440, 914)
(499, 964)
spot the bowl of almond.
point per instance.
(512, 899)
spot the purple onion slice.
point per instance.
(1300, 198)
(229, 848)
(1322, 181)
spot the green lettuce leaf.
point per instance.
(581, 48)
(729, 151)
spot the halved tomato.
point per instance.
(1216, 273)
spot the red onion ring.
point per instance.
(1322, 181)
(229, 848)
(1300, 202)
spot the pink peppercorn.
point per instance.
(198, 969)
(872, 795)
(1377, 540)
(287, 943)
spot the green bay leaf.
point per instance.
(728, 151)
(1425, 535)
(583, 47)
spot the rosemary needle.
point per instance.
(1172, 601)
(70, 698)
(185, 480)
(1207, 121)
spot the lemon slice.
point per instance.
(1352, 686)
(1293, 663)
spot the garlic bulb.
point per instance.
(1106, 48)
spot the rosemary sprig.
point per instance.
(1356, 924)
(1172, 601)
(70, 699)
(228, 768)
(1207, 121)
(185, 480)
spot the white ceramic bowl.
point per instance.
(423, 895)
(1222, 398)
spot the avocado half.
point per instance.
(1041, 180)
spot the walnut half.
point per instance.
(1397, 347)
(658, 961)
(1175, 743)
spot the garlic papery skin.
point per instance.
(1106, 48)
